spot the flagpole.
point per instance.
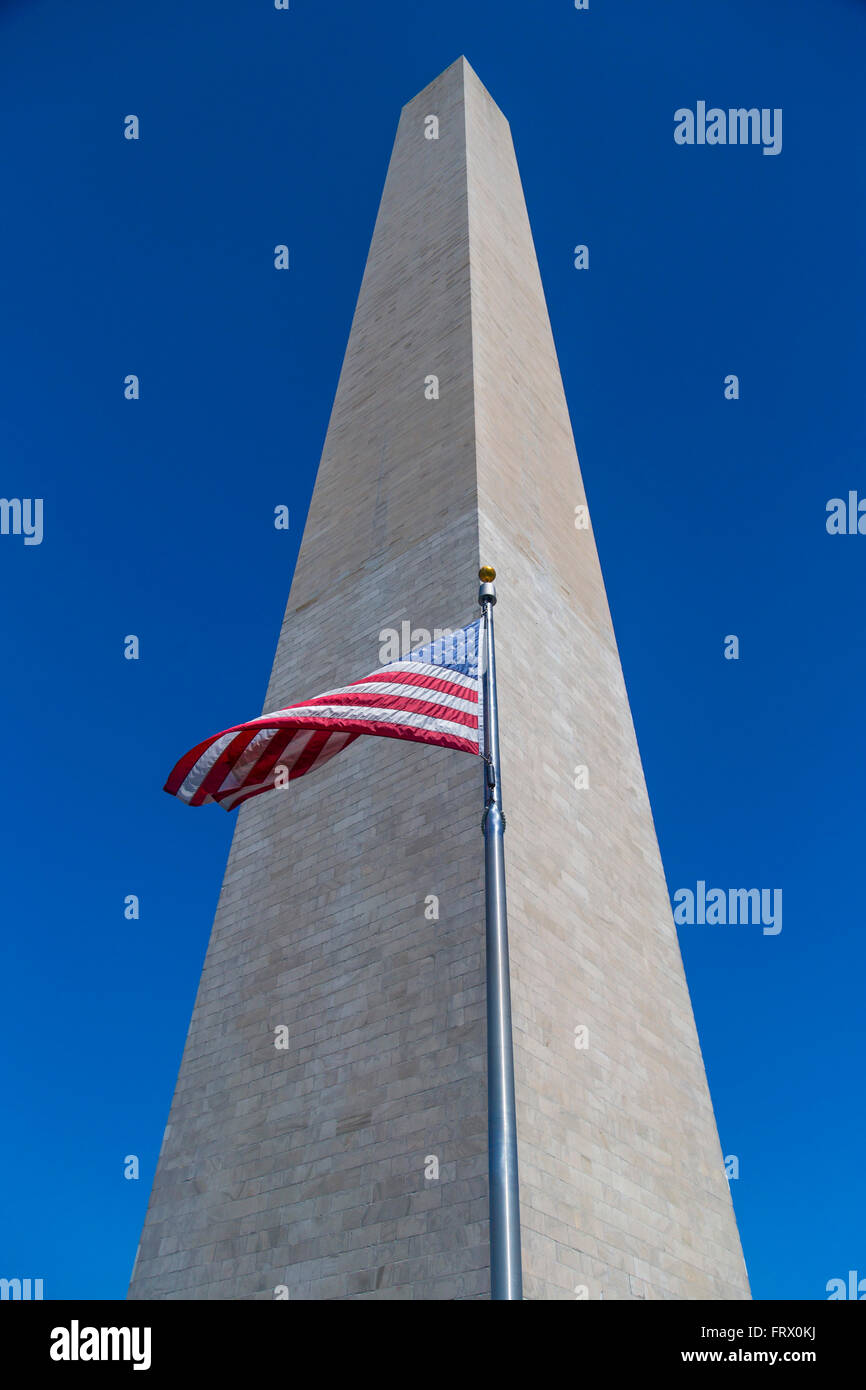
(506, 1277)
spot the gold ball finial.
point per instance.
(487, 574)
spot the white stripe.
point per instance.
(338, 741)
(371, 713)
(405, 692)
(287, 760)
(442, 673)
(262, 741)
(248, 759)
(200, 769)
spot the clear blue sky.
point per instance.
(156, 257)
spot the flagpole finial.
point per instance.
(487, 592)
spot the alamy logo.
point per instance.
(846, 520)
(76, 1343)
(22, 516)
(736, 126)
(855, 1288)
(22, 1289)
(447, 646)
(735, 907)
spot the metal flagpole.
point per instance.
(506, 1277)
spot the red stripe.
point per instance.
(335, 724)
(178, 774)
(222, 767)
(181, 769)
(386, 730)
(421, 736)
(399, 702)
(309, 755)
(259, 791)
(465, 692)
(273, 751)
(461, 745)
(281, 740)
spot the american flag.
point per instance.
(433, 695)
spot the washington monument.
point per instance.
(328, 1133)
